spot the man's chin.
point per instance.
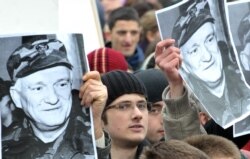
(51, 125)
(138, 138)
(214, 82)
(135, 141)
(127, 53)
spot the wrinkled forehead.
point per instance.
(48, 76)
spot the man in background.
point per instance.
(125, 30)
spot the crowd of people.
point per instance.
(142, 108)
(176, 114)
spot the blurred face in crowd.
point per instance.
(6, 107)
(45, 97)
(125, 36)
(110, 5)
(127, 119)
(202, 57)
(155, 123)
(245, 57)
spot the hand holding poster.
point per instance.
(50, 122)
(209, 64)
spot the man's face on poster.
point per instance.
(45, 96)
(201, 55)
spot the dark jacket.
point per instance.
(104, 153)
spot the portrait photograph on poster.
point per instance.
(41, 114)
(240, 34)
(209, 66)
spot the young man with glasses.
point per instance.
(123, 115)
(119, 104)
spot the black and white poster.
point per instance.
(210, 65)
(40, 108)
(240, 34)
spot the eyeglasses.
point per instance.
(155, 109)
(128, 105)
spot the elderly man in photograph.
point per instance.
(207, 66)
(53, 126)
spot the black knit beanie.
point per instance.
(155, 82)
(120, 82)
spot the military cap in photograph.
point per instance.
(40, 55)
(193, 18)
